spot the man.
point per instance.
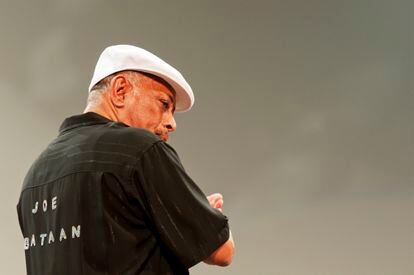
(109, 195)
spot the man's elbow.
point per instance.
(223, 256)
(220, 260)
(224, 262)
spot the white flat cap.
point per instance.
(126, 57)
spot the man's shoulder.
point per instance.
(137, 138)
(132, 134)
(105, 147)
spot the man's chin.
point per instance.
(163, 137)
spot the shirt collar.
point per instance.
(85, 119)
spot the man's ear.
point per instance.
(119, 88)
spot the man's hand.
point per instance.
(216, 201)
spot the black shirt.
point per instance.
(105, 198)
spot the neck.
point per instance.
(104, 109)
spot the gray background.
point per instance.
(303, 118)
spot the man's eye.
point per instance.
(165, 104)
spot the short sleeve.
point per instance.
(179, 211)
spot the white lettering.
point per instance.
(33, 241)
(34, 210)
(54, 203)
(26, 243)
(42, 238)
(51, 237)
(44, 205)
(76, 231)
(62, 235)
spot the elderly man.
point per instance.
(109, 195)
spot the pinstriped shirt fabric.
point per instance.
(105, 198)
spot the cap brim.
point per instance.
(184, 97)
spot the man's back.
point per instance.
(103, 199)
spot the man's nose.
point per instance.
(171, 124)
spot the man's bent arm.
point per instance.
(223, 255)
